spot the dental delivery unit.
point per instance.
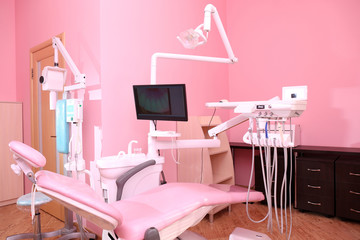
(270, 118)
(132, 203)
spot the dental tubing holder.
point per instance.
(273, 140)
(273, 133)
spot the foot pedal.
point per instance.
(245, 234)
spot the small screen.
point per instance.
(161, 102)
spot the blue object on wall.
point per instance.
(62, 128)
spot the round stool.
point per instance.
(24, 203)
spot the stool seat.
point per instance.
(24, 203)
(40, 199)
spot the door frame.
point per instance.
(34, 84)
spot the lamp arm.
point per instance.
(57, 45)
(155, 56)
(211, 10)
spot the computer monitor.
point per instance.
(161, 102)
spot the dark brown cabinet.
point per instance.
(328, 181)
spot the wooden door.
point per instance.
(43, 134)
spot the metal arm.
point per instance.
(211, 10)
(80, 78)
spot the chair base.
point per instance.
(35, 236)
(65, 233)
(64, 236)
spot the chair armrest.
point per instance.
(120, 182)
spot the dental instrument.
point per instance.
(152, 215)
(264, 113)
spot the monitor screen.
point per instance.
(161, 102)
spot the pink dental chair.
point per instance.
(164, 212)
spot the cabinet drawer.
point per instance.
(320, 204)
(311, 168)
(348, 193)
(348, 200)
(315, 187)
(348, 169)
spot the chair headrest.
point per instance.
(27, 153)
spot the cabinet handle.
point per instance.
(312, 203)
(316, 187)
(353, 210)
(357, 193)
(354, 174)
(314, 170)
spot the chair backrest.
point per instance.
(25, 158)
(28, 154)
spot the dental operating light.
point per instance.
(192, 38)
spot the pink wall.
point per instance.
(7, 50)
(131, 32)
(289, 43)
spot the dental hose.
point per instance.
(268, 175)
(252, 172)
(275, 184)
(276, 175)
(249, 186)
(283, 186)
(290, 182)
(271, 172)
